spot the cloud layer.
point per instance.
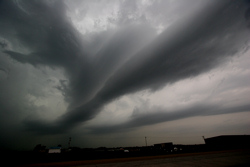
(64, 63)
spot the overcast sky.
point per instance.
(110, 72)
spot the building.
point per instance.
(228, 142)
(39, 149)
(54, 150)
(164, 146)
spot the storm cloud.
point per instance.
(63, 63)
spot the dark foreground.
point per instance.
(215, 158)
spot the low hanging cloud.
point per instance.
(122, 60)
(176, 54)
(143, 117)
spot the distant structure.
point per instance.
(39, 148)
(164, 146)
(54, 150)
(228, 141)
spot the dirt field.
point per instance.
(219, 158)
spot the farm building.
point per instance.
(54, 150)
(228, 141)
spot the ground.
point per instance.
(217, 158)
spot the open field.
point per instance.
(216, 158)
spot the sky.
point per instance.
(112, 72)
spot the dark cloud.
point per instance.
(43, 30)
(144, 116)
(181, 51)
(114, 63)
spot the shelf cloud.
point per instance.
(66, 65)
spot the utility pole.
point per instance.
(204, 138)
(146, 141)
(69, 142)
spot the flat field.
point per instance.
(205, 159)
